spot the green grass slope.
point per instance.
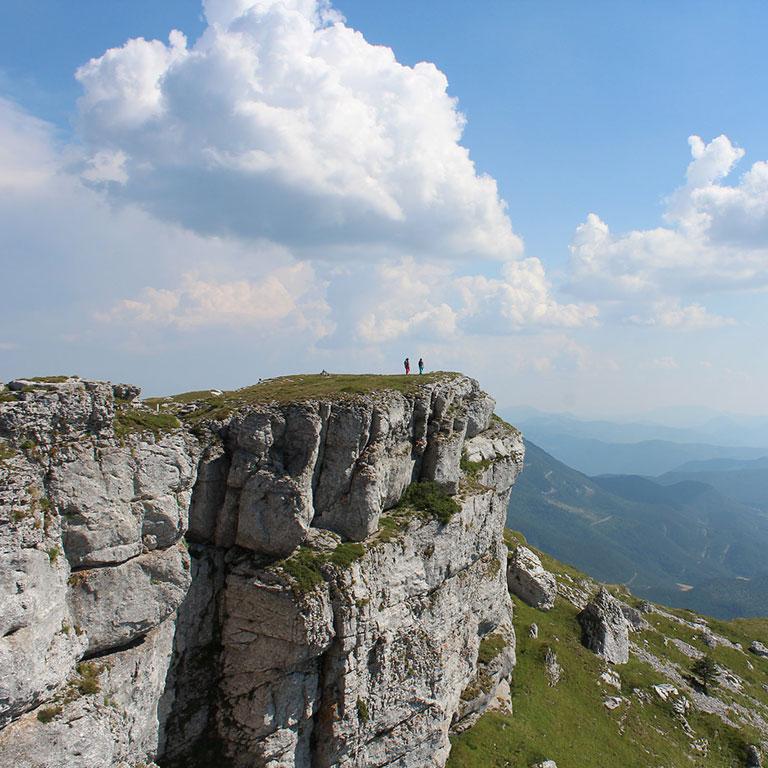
(570, 724)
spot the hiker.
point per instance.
(421, 365)
(407, 364)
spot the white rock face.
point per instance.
(527, 578)
(339, 465)
(604, 629)
(74, 496)
(115, 606)
(118, 647)
(115, 725)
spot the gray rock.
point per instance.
(758, 649)
(127, 392)
(355, 658)
(604, 628)
(552, 668)
(478, 410)
(611, 677)
(116, 500)
(209, 493)
(634, 618)
(115, 606)
(113, 726)
(546, 764)
(754, 758)
(527, 579)
(53, 412)
(533, 631)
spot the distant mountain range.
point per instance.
(745, 481)
(679, 425)
(603, 447)
(675, 539)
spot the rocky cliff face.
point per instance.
(317, 580)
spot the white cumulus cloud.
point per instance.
(435, 302)
(670, 314)
(283, 122)
(520, 298)
(716, 238)
(285, 299)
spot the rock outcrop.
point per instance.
(604, 628)
(754, 759)
(246, 588)
(527, 578)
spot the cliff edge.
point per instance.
(307, 572)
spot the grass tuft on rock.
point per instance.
(6, 452)
(87, 682)
(129, 421)
(472, 469)
(429, 497)
(346, 554)
(304, 566)
(490, 647)
(48, 379)
(46, 714)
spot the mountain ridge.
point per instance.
(679, 544)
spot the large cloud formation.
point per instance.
(283, 125)
(89, 253)
(282, 122)
(716, 238)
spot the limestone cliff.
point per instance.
(310, 572)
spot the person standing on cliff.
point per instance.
(407, 364)
(421, 366)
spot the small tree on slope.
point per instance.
(706, 670)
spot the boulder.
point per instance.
(634, 618)
(758, 649)
(754, 759)
(665, 690)
(128, 392)
(552, 668)
(611, 677)
(527, 579)
(604, 629)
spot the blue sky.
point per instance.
(573, 109)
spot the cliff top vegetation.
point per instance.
(215, 404)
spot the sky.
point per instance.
(568, 201)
